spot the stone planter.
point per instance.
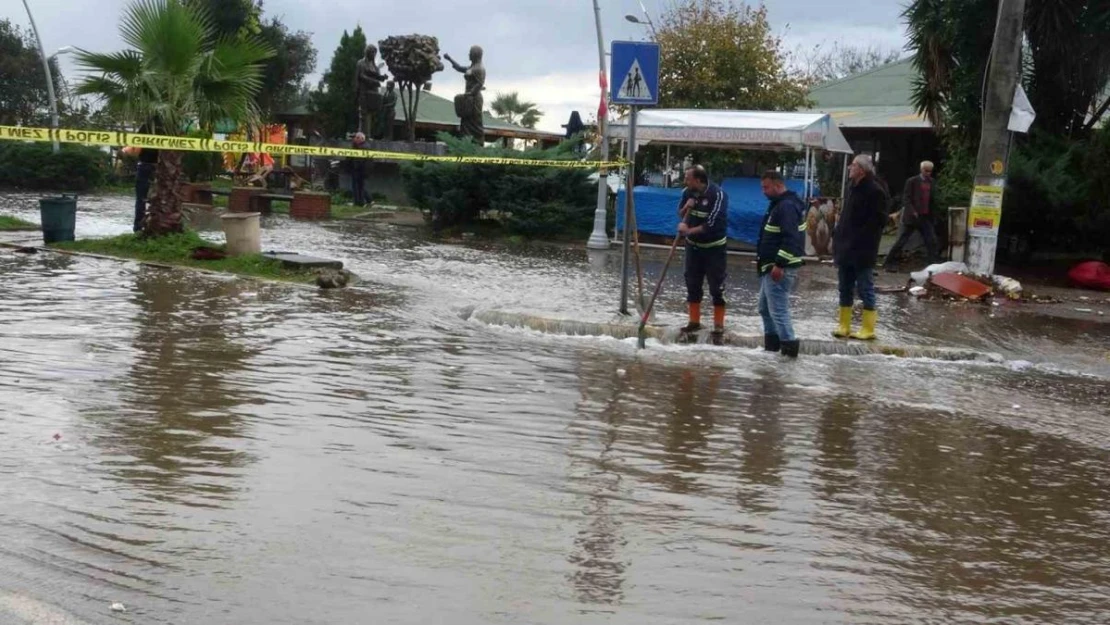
(240, 199)
(310, 205)
(243, 232)
(196, 192)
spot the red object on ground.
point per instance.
(1091, 275)
(964, 287)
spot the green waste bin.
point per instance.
(59, 218)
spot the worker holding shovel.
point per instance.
(705, 225)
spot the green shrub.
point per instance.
(35, 166)
(532, 201)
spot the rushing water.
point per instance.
(208, 450)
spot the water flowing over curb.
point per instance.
(670, 335)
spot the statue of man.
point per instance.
(468, 105)
(368, 82)
(389, 113)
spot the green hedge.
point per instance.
(35, 166)
(536, 202)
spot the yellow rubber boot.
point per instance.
(844, 328)
(867, 329)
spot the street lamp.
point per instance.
(650, 24)
(46, 69)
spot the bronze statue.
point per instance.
(384, 130)
(368, 82)
(468, 105)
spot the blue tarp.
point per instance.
(657, 208)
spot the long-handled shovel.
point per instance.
(642, 331)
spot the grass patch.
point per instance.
(177, 249)
(8, 223)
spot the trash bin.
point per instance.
(59, 218)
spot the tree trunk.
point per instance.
(411, 112)
(164, 211)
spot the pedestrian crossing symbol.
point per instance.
(634, 73)
(634, 87)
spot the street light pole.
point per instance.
(599, 239)
(49, 78)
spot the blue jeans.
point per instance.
(856, 279)
(774, 304)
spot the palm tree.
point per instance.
(175, 72)
(510, 108)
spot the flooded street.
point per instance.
(209, 450)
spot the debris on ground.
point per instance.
(921, 277)
(957, 286)
(1091, 274)
(208, 253)
(332, 278)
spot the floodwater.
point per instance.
(205, 450)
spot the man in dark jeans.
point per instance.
(918, 202)
(144, 174)
(856, 237)
(358, 171)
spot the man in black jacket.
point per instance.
(859, 229)
(703, 215)
(782, 243)
(358, 171)
(144, 174)
(919, 200)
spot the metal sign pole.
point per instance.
(629, 186)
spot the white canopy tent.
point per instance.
(749, 130)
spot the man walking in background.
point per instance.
(781, 246)
(918, 203)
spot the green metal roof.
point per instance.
(433, 109)
(889, 85)
(879, 98)
(876, 117)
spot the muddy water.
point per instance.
(237, 452)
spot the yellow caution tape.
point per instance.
(191, 144)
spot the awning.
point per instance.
(754, 130)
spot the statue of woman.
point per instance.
(468, 105)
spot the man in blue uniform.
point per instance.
(703, 212)
(781, 246)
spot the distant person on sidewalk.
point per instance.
(919, 200)
(782, 243)
(144, 174)
(358, 171)
(703, 220)
(856, 238)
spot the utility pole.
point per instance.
(629, 185)
(985, 212)
(599, 238)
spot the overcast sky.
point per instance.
(545, 49)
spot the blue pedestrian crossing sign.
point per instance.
(634, 73)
